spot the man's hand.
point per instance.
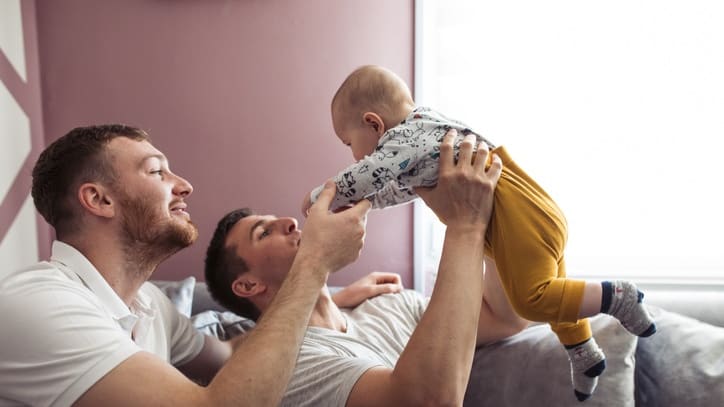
(306, 204)
(464, 191)
(330, 239)
(371, 285)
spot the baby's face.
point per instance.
(362, 140)
(359, 137)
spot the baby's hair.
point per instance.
(372, 88)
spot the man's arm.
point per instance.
(371, 285)
(259, 369)
(435, 366)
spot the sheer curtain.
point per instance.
(616, 108)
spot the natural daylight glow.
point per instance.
(615, 107)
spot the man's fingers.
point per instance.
(466, 150)
(447, 156)
(392, 288)
(326, 196)
(385, 289)
(496, 168)
(360, 208)
(481, 157)
(383, 277)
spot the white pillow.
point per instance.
(181, 293)
(223, 325)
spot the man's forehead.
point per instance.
(134, 149)
(241, 231)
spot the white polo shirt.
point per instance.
(62, 328)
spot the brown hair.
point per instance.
(69, 161)
(372, 88)
(222, 266)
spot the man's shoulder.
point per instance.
(405, 302)
(42, 277)
(405, 296)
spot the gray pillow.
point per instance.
(532, 369)
(682, 365)
(181, 293)
(223, 325)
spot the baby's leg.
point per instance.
(586, 358)
(557, 300)
(623, 301)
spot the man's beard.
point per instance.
(149, 235)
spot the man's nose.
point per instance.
(182, 186)
(289, 224)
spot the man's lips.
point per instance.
(298, 235)
(180, 208)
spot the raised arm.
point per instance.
(374, 178)
(259, 368)
(435, 366)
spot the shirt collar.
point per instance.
(75, 262)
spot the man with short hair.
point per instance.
(397, 349)
(86, 329)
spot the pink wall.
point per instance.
(27, 94)
(236, 93)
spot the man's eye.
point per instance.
(264, 233)
(159, 172)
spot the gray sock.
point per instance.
(587, 363)
(627, 306)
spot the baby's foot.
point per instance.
(623, 300)
(587, 363)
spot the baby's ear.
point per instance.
(374, 121)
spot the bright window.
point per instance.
(615, 107)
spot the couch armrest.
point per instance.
(704, 304)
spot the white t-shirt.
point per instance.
(62, 328)
(331, 362)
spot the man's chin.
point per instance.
(189, 234)
(182, 235)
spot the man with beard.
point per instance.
(84, 328)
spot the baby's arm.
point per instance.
(375, 178)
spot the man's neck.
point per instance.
(124, 269)
(326, 314)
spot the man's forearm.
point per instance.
(439, 354)
(263, 363)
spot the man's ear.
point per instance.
(246, 286)
(95, 199)
(375, 122)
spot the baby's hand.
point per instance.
(306, 204)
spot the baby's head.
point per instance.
(369, 102)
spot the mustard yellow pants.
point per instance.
(526, 237)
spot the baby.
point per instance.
(396, 146)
